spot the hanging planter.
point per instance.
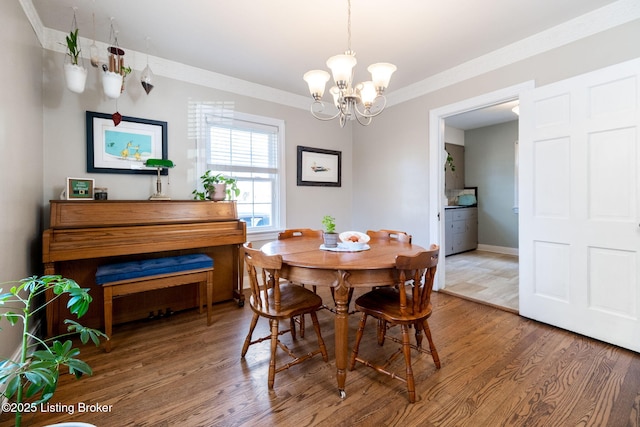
(114, 73)
(111, 83)
(75, 74)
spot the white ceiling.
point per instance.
(273, 43)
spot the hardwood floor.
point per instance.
(486, 277)
(497, 369)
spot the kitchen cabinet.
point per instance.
(461, 229)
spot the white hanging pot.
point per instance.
(112, 84)
(75, 76)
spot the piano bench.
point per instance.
(132, 277)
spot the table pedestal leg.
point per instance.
(342, 330)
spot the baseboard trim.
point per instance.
(498, 249)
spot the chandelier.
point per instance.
(361, 101)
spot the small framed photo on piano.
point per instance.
(79, 188)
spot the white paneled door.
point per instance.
(579, 204)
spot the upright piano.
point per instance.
(84, 234)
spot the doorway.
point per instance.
(481, 144)
(476, 261)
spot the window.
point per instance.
(250, 149)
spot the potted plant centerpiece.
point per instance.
(217, 187)
(32, 378)
(75, 74)
(330, 236)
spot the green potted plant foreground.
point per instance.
(330, 236)
(33, 376)
(217, 187)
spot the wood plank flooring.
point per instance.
(498, 369)
(486, 277)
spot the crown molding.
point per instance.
(605, 18)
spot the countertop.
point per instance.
(458, 206)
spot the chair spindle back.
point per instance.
(298, 232)
(417, 273)
(400, 236)
(264, 274)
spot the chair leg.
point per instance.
(406, 350)
(316, 327)
(301, 321)
(432, 347)
(274, 348)
(419, 328)
(356, 346)
(292, 327)
(382, 331)
(108, 316)
(247, 340)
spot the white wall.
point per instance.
(65, 141)
(490, 166)
(21, 153)
(391, 174)
(453, 135)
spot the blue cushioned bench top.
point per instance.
(151, 267)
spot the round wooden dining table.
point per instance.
(304, 262)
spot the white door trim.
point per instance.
(437, 159)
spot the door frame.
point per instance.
(437, 118)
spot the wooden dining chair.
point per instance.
(298, 232)
(407, 304)
(401, 236)
(292, 233)
(278, 300)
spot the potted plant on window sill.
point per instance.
(330, 236)
(217, 187)
(34, 375)
(75, 74)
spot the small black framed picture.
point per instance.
(319, 167)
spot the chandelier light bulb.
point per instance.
(381, 74)
(368, 93)
(317, 80)
(341, 67)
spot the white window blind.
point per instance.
(249, 149)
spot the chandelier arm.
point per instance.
(323, 118)
(363, 120)
(370, 115)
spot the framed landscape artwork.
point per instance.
(124, 148)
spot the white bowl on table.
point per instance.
(353, 240)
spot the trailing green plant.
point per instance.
(34, 375)
(449, 163)
(73, 47)
(329, 224)
(208, 179)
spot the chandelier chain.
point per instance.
(348, 25)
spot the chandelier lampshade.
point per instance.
(354, 101)
(341, 67)
(317, 80)
(381, 74)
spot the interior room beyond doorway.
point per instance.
(481, 143)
